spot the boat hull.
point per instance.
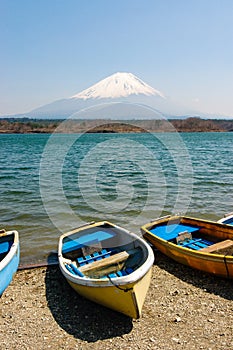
(217, 264)
(123, 290)
(127, 299)
(9, 265)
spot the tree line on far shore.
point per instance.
(192, 124)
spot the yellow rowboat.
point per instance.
(200, 244)
(108, 265)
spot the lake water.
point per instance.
(52, 183)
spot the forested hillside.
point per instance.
(194, 124)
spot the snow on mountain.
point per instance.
(120, 96)
(118, 85)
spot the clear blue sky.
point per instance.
(52, 49)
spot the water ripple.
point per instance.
(135, 177)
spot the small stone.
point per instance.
(176, 340)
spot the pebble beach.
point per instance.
(184, 309)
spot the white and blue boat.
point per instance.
(227, 219)
(9, 257)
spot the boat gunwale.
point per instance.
(130, 279)
(12, 251)
(225, 218)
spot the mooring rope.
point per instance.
(225, 262)
(115, 285)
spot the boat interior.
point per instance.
(196, 235)
(6, 242)
(102, 252)
(229, 221)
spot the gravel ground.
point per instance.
(184, 309)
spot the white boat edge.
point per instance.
(13, 250)
(226, 218)
(85, 281)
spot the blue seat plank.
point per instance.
(188, 243)
(202, 244)
(69, 268)
(193, 246)
(129, 270)
(208, 243)
(89, 258)
(124, 273)
(170, 232)
(81, 260)
(4, 247)
(104, 253)
(74, 270)
(196, 243)
(73, 244)
(112, 275)
(97, 256)
(119, 273)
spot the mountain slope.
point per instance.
(118, 85)
(119, 96)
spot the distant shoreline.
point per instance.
(39, 126)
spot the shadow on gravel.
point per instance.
(78, 316)
(209, 283)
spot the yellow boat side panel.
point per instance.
(210, 263)
(128, 302)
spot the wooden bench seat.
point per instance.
(105, 266)
(121, 273)
(221, 247)
(101, 264)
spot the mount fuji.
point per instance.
(119, 96)
(118, 85)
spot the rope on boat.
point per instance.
(115, 285)
(225, 262)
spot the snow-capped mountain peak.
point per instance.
(118, 85)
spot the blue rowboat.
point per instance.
(9, 257)
(108, 265)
